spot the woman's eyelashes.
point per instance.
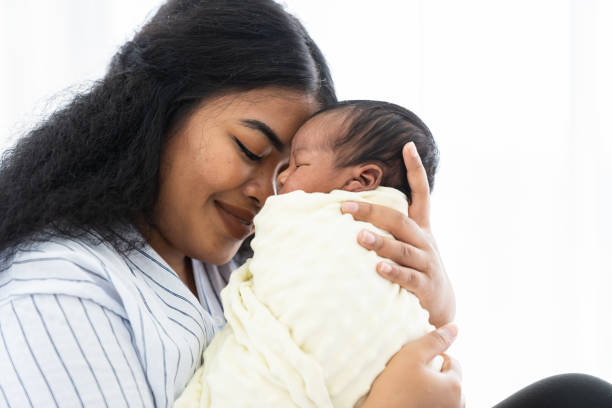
(249, 154)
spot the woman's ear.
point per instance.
(364, 178)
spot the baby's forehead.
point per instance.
(322, 130)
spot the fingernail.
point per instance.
(349, 207)
(385, 268)
(450, 330)
(367, 237)
(413, 150)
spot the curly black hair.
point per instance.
(94, 164)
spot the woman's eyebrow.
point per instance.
(265, 129)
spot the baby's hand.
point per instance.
(419, 267)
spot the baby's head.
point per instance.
(357, 146)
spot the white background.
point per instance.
(517, 93)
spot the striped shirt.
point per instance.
(82, 325)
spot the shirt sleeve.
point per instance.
(67, 351)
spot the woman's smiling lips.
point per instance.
(238, 221)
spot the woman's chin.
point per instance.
(220, 256)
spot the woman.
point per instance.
(109, 203)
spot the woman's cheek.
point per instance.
(226, 174)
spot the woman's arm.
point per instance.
(408, 382)
(419, 267)
(58, 350)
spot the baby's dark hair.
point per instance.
(375, 132)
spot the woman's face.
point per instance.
(218, 170)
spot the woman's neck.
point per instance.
(178, 261)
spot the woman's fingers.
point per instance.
(451, 370)
(452, 367)
(420, 269)
(419, 186)
(400, 252)
(435, 342)
(409, 279)
(409, 381)
(388, 219)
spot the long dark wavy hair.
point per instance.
(94, 165)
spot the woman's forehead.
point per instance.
(280, 110)
(266, 100)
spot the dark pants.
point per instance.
(566, 390)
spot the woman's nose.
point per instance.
(261, 186)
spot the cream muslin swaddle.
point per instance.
(310, 322)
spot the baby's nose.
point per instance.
(281, 179)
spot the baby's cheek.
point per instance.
(288, 186)
(309, 180)
(303, 182)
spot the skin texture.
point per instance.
(203, 165)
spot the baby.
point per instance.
(310, 322)
(357, 146)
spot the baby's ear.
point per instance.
(364, 178)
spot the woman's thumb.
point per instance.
(438, 341)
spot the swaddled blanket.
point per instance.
(310, 322)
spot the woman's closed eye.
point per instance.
(249, 154)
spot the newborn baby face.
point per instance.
(312, 161)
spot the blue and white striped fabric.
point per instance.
(83, 326)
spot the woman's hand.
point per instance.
(419, 267)
(408, 382)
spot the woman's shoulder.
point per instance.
(80, 256)
(80, 251)
(62, 266)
